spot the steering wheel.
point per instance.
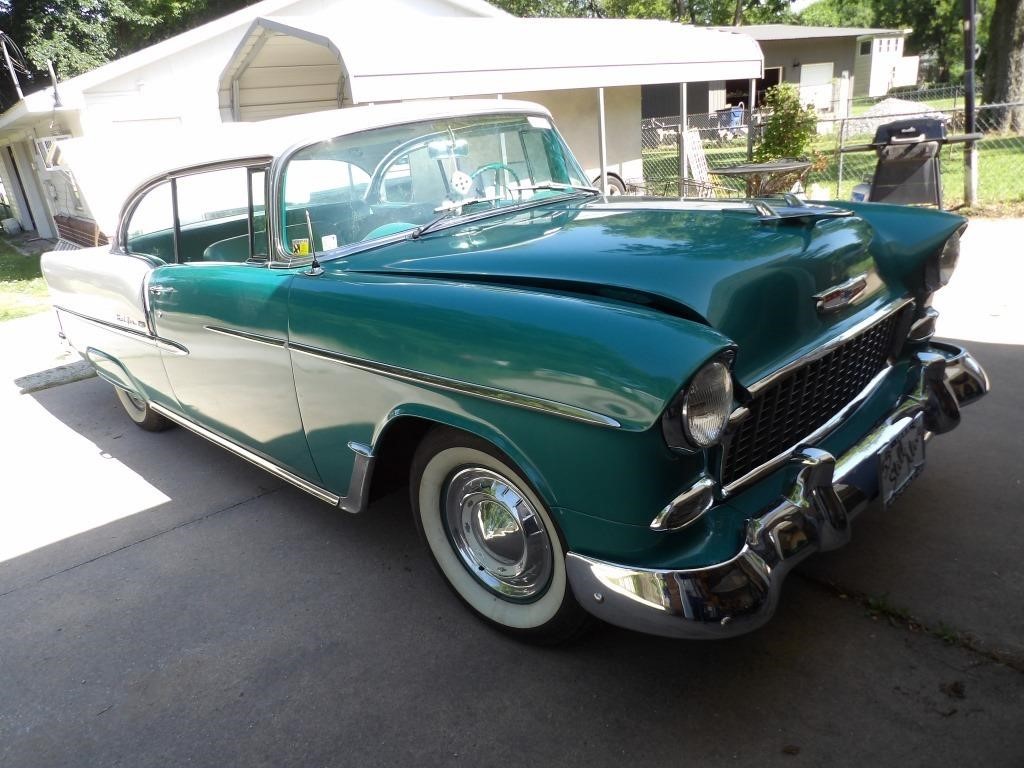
(497, 167)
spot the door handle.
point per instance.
(159, 290)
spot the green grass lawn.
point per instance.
(22, 290)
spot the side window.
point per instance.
(150, 229)
(213, 216)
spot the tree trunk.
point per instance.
(737, 18)
(1004, 72)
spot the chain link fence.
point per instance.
(720, 139)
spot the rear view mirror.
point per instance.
(448, 148)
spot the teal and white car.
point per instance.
(642, 410)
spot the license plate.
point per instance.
(901, 460)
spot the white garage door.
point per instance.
(816, 85)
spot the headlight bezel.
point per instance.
(677, 425)
(940, 266)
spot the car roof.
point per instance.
(274, 137)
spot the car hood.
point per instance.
(750, 274)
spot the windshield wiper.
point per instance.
(558, 187)
(454, 207)
(449, 209)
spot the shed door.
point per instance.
(816, 85)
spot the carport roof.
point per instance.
(426, 57)
(764, 32)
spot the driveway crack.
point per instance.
(882, 608)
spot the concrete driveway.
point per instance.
(164, 603)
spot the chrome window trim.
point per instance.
(277, 177)
(121, 240)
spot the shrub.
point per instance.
(790, 127)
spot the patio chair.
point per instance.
(699, 178)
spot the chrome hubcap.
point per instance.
(497, 533)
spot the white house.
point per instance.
(281, 57)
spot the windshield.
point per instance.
(368, 185)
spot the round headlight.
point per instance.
(707, 405)
(939, 268)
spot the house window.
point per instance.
(865, 48)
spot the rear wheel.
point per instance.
(138, 410)
(615, 185)
(492, 538)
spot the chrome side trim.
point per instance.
(819, 433)
(258, 338)
(462, 387)
(819, 352)
(357, 498)
(163, 344)
(252, 458)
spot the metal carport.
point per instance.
(290, 65)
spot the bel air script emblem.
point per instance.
(839, 296)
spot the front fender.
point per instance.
(904, 238)
(615, 362)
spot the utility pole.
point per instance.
(10, 66)
(970, 11)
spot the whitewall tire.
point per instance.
(492, 538)
(138, 410)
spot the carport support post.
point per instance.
(683, 120)
(750, 119)
(602, 141)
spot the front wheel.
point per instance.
(138, 410)
(492, 538)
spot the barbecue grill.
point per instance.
(908, 170)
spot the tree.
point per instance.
(1004, 71)
(705, 12)
(80, 35)
(837, 13)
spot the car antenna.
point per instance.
(314, 266)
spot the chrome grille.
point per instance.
(801, 401)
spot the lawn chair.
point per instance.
(699, 183)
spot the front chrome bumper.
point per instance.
(741, 594)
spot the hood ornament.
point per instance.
(842, 295)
